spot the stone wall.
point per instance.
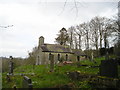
(43, 57)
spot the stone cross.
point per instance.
(11, 66)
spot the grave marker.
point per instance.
(8, 78)
(11, 66)
(51, 63)
(107, 56)
(109, 68)
(27, 83)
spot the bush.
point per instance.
(102, 51)
(89, 52)
(117, 49)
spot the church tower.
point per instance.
(41, 41)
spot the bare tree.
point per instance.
(116, 27)
(71, 36)
(86, 34)
(94, 31)
(107, 32)
(75, 41)
(79, 31)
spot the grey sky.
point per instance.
(35, 18)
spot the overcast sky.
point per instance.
(34, 18)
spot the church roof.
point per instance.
(56, 48)
(78, 52)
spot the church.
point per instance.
(60, 53)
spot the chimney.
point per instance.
(41, 41)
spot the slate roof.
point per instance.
(78, 52)
(56, 48)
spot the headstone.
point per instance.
(107, 56)
(11, 66)
(109, 68)
(51, 63)
(92, 57)
(8, 78)
(27, 83)
(74, 75)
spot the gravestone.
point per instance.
(109, 68)
(74, 75)
(107, 56)
(51, 63)
(92, 57)
(8, 78)
(27, 83)
(11, 66)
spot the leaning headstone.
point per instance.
(27, 83)
(51, 63)
(109, 68)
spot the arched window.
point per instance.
(58, 57)
(66, 57)
(78, 58)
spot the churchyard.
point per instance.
(83, 74)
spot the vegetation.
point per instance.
(63, 37)
(88, 35)
(42, 78)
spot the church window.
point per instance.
(66, 57)
(58, 57)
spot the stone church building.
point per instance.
(60, 53)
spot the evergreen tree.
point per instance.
(63, 37)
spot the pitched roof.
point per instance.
(78, 52)
(56, 48)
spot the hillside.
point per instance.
(60, 78)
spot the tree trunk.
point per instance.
(76, 43)
(79, 41)
(87, 41)
(100, 40)
(71, 41)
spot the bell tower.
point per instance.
(41, 41)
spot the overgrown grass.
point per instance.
(42, 78)
(96, 62)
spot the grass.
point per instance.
(42, 78)
(97, 60)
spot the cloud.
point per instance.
(32, 20)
